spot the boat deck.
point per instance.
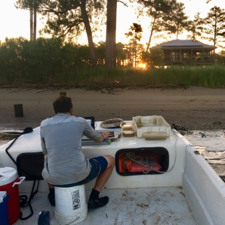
(147, 206)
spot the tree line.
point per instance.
(49, 60)
(67, 19)
(53, 60)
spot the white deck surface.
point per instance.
(147, 206)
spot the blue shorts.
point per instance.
(98, 165)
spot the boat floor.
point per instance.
(147, 206)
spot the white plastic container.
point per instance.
(128, 129)
(151, 127)
(70, 205)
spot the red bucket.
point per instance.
(9, 182)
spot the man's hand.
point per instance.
(106, 134)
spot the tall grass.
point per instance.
(208, 76)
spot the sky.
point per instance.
(15, 22)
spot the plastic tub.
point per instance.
(128, 129)
(151, 127)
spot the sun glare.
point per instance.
(141, 65)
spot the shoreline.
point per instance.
(195, 108)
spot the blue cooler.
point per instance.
(4, 216)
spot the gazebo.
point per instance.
(186, 52)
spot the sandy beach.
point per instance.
(195, 108)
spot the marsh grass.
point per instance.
(210, 76)
(99, 78)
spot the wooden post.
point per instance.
(62, 94)
(18, 108)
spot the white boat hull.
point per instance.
(187, 173)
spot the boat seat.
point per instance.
(30, 165)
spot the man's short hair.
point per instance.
(62, 104)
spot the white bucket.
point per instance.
(70, 205)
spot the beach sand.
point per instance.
(195, 108)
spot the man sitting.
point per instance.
(65, 163)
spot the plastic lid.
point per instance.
(7, 175)
(2, 195)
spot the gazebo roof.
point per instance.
(184, 44)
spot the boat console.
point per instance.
(157, 159)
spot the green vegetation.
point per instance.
(51, 63)
(210, 76)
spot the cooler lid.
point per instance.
(7, 175)
(2, 195)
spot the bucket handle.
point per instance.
(21, 181)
